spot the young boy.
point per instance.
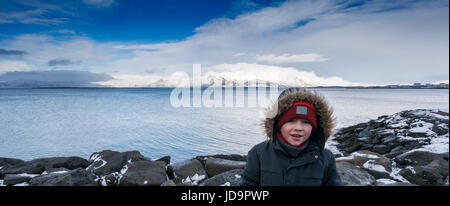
(294, 154)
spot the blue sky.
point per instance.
(137, 42)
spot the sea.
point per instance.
(57, 122)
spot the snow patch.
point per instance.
(22, 184)
(124, 169)
(411, 169)
(1, 183)
(226, 184)
(27, 175)
(357, 154)
(95, 158)
(237, 176)
(395, 173)
(386, 181)
(194, 179)
(370, 165)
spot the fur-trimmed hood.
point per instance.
(325, 118)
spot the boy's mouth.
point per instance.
(296, 135)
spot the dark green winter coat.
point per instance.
(275, 163)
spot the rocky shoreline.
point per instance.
(405, 149)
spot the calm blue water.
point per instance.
(77, 122)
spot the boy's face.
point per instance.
(296, 131)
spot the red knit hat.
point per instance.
(299, 110)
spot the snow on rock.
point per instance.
(226, 184)
(371, 165)
(194, 179)
(392, 135)
(385, 181)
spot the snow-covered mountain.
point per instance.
(232, 75)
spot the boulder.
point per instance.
(366, 132)
(354, 176)
(229, 178)
(374, 163)
(77, 177)
(12, 179)
(216, 166)
(55, 170)
(423, 168)
(385, 133)
(168, 183)
(389, 139)
(424, 176)
(233, 157)
(107, 161)
(38, 166)
(381, 149)
(144, 173)
(396, 151)
(4, 162)
(390, 183)
(417, 158)
(189, 171)
(165, 159)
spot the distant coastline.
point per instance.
(319, 87)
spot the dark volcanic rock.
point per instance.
(38, 166)
(144, 173)
(77, 177)
(216, 166)
(229, 178)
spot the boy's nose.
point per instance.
(298, 125)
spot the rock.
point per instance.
(415, 158)
(440, 129)
(12, 179)
(216, 166)
(77, 177)
(423, 176)
(55, 170)
(385, 133)
(165, 159)
(354, 176)
(423, 168)
(374, 163)
(168, 183)
(363, 139)
(233, 157)
(144, 173)
(188, 169)
(38, 166)
(382, 149)
(414, 132)
(352, 148)
(233, 177)
(390, 183)
(366, 147)
(107, 161)
(389, 139)
(366, 132)
(396, 151)
(4, 162)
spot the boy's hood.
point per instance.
(325, 119)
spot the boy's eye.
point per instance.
(305, 121)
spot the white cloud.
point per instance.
(328, 43)
(290, 58)
(7, 66)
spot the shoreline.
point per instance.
(407, 148)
